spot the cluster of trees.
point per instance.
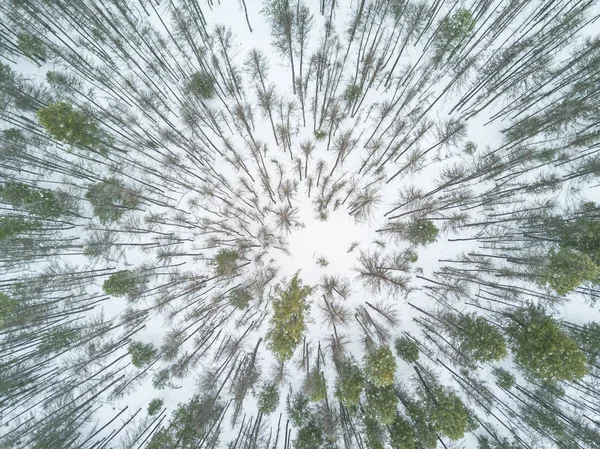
(150, 181)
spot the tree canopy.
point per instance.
(542, 348)
(66, 124)
(288, 324)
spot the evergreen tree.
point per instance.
(542, 348)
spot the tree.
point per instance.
(240, 298)
(504, 379)
(110, 199)
(226, 262)
(68, 125)
(31, 46)
(268, 399)
(154, 406)
(13, 226)
(8, 306)
(401, 434)
(577, 232)
(310, 436)
(349, 384)
(380, 367)
(141, 353)
(281, 20)
(122, 283)
(315, 385)
(202, 85)
(421, 232)
(567, 269)
(454, 29)
(382, 403)
(190, 424)
(448, 413)
(407, 349)
(541, 348)
(477, 338)
(41, 202)
(288, 320)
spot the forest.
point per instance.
(299, 224)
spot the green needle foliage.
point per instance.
(310, 436)
(542, 348)
(58, 340)
(268, 399)
(226, 262)
(40, 202)
(481, 340)
(13, 226)
(401, 434)
(141, 353)
(189, 424)
(155, 406)
(504, 378)
(407, 349)
(8, 307)
(315, 386)
(110, 199)
(349, 384)
(288, 321)
(421, 232)
(32, 47)
(240, 298)
(568, 269)
(122, 283)
(382, 403)
(202, 85)
(448, 413)
(66, 124)
(380, 367)
(456, 27)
